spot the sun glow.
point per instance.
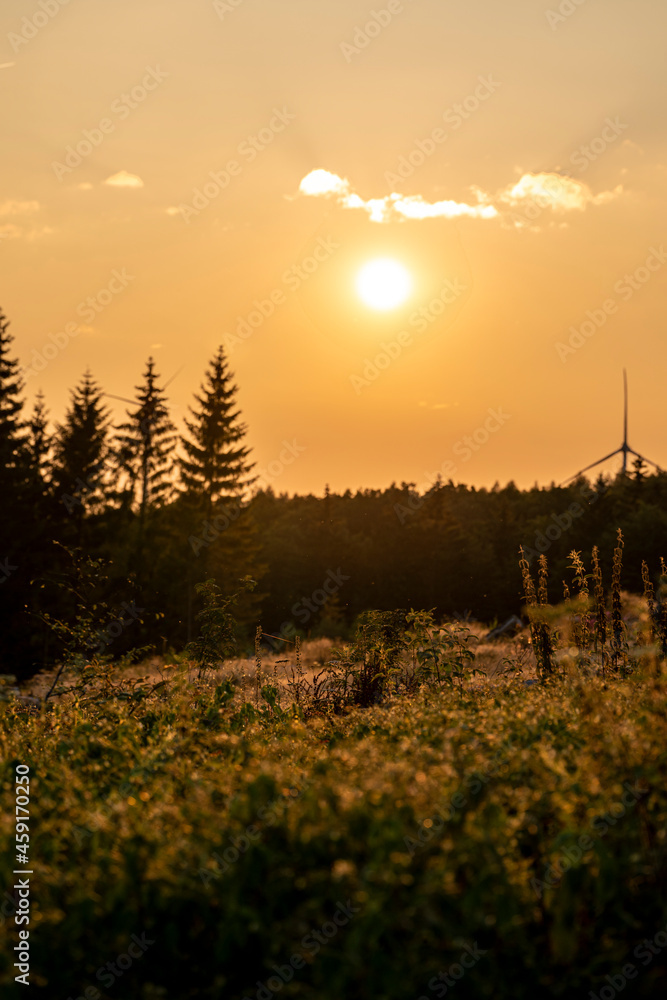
(384, 284)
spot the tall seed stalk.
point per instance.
(258, 663)
(581, 631)
(543, 643)
(600, 605)
(619, 644)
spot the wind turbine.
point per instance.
(133, 402)
(625, 448)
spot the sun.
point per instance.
(384, 284)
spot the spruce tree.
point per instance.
(80, 473)
(13, 436)
(145, 445)
(39, 440)
(215, 472)
(20, 530)
(215, 467)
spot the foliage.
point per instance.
(215, 466)
(217, 636)
(80, 468)
(229, 838)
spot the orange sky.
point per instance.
(525, 150)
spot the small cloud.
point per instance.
(7, 65)
(10, 232)
(124, 179)
(323, 184)
(172, 210)
(13, 207)
(556, 191)
(437, 406)
(156, 347)
(35, 234)
(86, 186)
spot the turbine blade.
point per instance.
(132, 402)
(647, 460)
(592, 465)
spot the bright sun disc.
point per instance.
(384, 284)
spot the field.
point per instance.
(208, 837)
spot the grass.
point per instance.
(391, 819)
(436, 818)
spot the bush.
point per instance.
(522, 826)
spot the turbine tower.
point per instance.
(625, 448)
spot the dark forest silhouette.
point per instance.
(140, 515)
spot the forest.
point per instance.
(128, 519)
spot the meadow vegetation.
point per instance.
(397, 816)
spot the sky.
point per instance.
(181, 174)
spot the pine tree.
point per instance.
(39, 440)
(145, 444)
(215, 467)
(80, 473)
(21, 542)
(13, 437)
(215, 472)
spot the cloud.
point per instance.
(124, 179)
(13, 207)
(557, 192)
(322, 183)
(86, 186)
(10, 232)
(7, 65)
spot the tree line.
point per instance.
(131, 517)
